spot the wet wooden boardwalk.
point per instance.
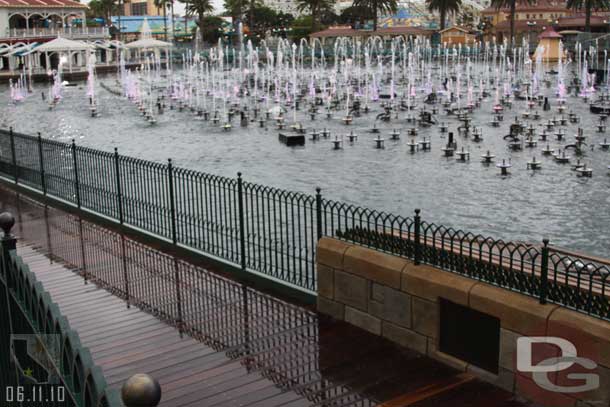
(214, 342)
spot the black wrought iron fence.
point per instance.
(274, 232)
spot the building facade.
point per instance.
(531, 19)
(42, 20)
(285, 6)
(457, 35)
(142, 8)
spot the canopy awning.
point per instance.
(24, 50)
(148, 43)
(63, 44)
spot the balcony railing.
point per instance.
(68, 32)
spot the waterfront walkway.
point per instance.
(211, 341)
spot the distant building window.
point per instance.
(138, 9)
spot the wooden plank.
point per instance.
(429, 391)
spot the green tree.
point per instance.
(102, 8)
(315, 9)
(199, 8)
(233, 9)
(96, 9)
(511, 5)
(211, 30)
(163, 4)
(354, 14)
(266, 19)
(588, 6)
(444, 7)
(375, 7)
(261, 19)
(301, 27)
(329, 17)
(252, 6)
(284, 19)
(467, 19)
(236, 10)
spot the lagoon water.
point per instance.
(573, 212)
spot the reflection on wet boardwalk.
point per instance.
(211, 341)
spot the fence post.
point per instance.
(544, 271)
(76, 183)
(242, 234)
(417, 238)
(13, 155)
(172, 203)
(118, 185)
(125, 272)
(43, 181)
(319, 212)
(82, 250)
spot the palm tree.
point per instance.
(163, 4)
(376, 6)
(511, 5)
(315, 7)
(105, 8)
(444, 7)
(198, 8)
(96, 9)
(588, 6)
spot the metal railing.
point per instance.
(69, 32)
(28, 312)
(274, 232)
(266, 335)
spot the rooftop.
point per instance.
(549, 33)
(346, 31)
(539, 5)
(563, 23)
(41, 4)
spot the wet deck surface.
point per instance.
(211, 341)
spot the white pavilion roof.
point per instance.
(148, 43)
(63, 44)
(146, 40)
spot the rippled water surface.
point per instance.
(573, 212)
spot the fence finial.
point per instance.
(7, 221)
(141, 390)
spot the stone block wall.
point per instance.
(391, 297)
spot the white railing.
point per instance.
(68, 32)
